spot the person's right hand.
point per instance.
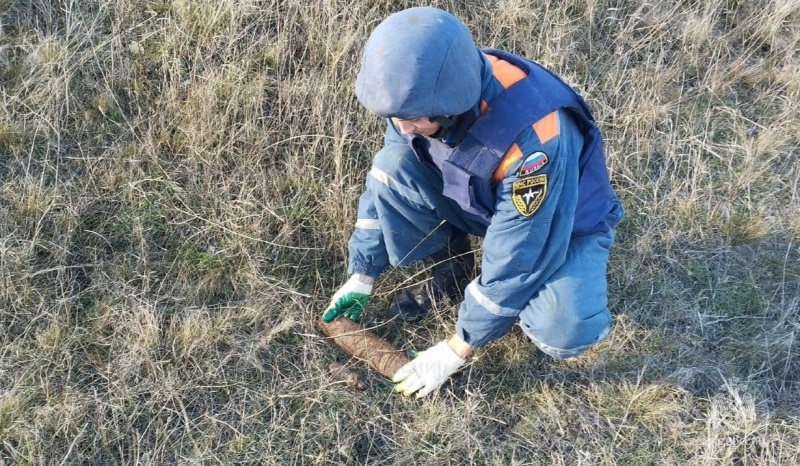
(427, 371)
(349, 300)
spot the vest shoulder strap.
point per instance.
(511, 112)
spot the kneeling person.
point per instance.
(481, 142)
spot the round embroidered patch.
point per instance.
(532, 163)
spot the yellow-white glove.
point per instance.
(427, 371)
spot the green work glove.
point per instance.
(348, 301)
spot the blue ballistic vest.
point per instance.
(467, 169)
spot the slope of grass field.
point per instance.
(178, 180)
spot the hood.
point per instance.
(419, 62)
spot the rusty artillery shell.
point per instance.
(364, 345)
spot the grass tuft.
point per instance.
(178, 181)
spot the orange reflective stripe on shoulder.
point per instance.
(512, 155)
(504, 71)
(546, 128)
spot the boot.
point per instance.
(452, 271)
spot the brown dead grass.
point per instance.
(178, 180)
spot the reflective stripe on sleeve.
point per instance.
(368, 224)
(380, 175)
(383, 178)
(487, 304)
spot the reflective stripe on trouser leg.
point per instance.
(410, 205)
(570, 313)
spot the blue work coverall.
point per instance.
(534, 270)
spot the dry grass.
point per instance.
(178, 180)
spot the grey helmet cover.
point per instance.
(419, 62)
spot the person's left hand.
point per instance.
(427, 371)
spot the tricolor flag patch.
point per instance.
(532, 163)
